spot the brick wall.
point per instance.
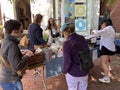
(34, 82)
(114, 12)
(31, 81)
(115, 15)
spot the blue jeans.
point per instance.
(16, 85)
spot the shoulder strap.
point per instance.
(70, 41)
(4, 62)
(19, 72)
(73, 44)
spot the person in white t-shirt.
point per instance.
(107, 47)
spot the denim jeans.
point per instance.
(16, 85)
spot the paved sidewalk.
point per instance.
(32, 82)
(58, 83)
(94, 84)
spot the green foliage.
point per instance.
(110, 2)
(1, 27)
(11, 1)
(60, 0)
(45, 36)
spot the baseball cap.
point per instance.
(64, 26)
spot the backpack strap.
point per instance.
(4, 62)
(19, 72)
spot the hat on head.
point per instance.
(64, 26)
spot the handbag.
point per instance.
(24, 41)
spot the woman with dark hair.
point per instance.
(12, 58)
(107, 47)
(35, 32)
(53, 30)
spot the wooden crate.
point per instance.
(36, 61)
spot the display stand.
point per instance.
(117, 43)
(94, 52)
(54, 67)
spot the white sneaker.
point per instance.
(102, 73)
(104, 80)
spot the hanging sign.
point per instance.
(80, 24)
(80, 1)
(80, 10)
(69, 10)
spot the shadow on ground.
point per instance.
(94, 84)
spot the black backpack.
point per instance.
(85, 58)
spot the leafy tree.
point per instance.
(108, 2)
(11, 1)
(104, 5)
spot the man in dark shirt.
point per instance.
(10, 52)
